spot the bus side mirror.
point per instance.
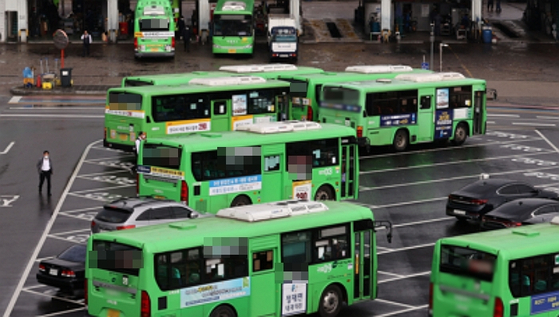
(384, 224)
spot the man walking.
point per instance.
(86, 38)
(44, 167)
(185, 32)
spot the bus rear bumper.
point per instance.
(118, 146)
(154, 54)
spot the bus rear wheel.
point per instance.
(241, 201)
(324, 193)
(460, 134)
(330, 302)
(223, 311)
(400, 140)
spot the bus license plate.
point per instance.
(123, 137)
(231, 51)
(284, 55)
(53, 272)
(154, 49)
(113, 313)
(459, 212)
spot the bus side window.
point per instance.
(426, 102)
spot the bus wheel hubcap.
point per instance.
(330, 302)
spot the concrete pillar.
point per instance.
(112, 19)
(3, 32)
(477, 6)
(22, 20)
(386, 14)
(294, 7)
(203, 16)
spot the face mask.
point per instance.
(46, 157)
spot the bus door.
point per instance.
(479, 113)
(272, 172)
(349, 184)
(363, 266)
(425, 118)
(264, 286)
(220, 116)
(284, 107)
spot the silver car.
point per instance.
(128, 213)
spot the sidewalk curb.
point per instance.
(20, 91)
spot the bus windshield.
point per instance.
(467, 262)
(117, 257)
(161, 24)
(233, 25)
(285, 38)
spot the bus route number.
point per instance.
(302, 190)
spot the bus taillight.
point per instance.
(499, 309)
(184, 193)
(173, 42)
(430, 299)
(135, 43)
(359, 131)
(309, 113)
(145, 305)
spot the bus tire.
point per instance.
(241, 201)
(330, 301)
(461, 219)
(324, 192)
(401, 140)
(223, 311)
(460, 134)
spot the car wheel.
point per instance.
(400, 140)
(324, 192)
(241, 201)
(460, 134)
(330, 302)
(223, 311)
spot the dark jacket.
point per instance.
(40, 165)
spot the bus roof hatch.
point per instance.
(430, 77)
(279, 127)
(378, 69)
(255, 68)
(154, 10)
(234, 6)
(227, 81)
(280, 209)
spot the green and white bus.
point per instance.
(267, 71)
(411, 108)
(154, 29)
(306, 88)
(501, 273)
(277, 259)
(205, 104)
(256, 164)
(233, 27)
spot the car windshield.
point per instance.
(74, 253)
(113, 215)
(285, 38)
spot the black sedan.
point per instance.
(520, 212)
(66, 271)
(482, 196)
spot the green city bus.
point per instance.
(257, 163)
(501, 273)
(154, 29)
(233, 27)
(306, 88)
(205, 104)
(267, 71)
(411, 108)
(275, 259)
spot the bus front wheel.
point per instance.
(324, 193)
(460, 134)
(241, 201)
(330, 302)
(223, 311)
(400, 140)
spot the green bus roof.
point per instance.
(249, 7)
(207, 141)
(193, 88)
(512, 243)
(326, 77)
(191, 233)
(144, 3)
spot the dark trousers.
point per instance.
(186, 39)
(86, 50)
(42, 176)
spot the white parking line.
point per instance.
(54, 116)
(547, 140)
(55, 297)
(454, 162)
(402, 311)
(429, 200)
(452, 179)
(534, 124)
(43, 238)
(85, 191)
(68, 232)
(63, 312)
(82, 209)
(419, 246)
(85, 176)
(63, 239)
(503, 115)
(391, 274)
(393, 303)
(422, 222)
(548, 117)
(404, 277)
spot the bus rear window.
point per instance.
(467, 262)
(180, 107)
(137, 83)
(161, 156)
(124, 101)
(117, 257)
(342, 98)
(154, 25)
